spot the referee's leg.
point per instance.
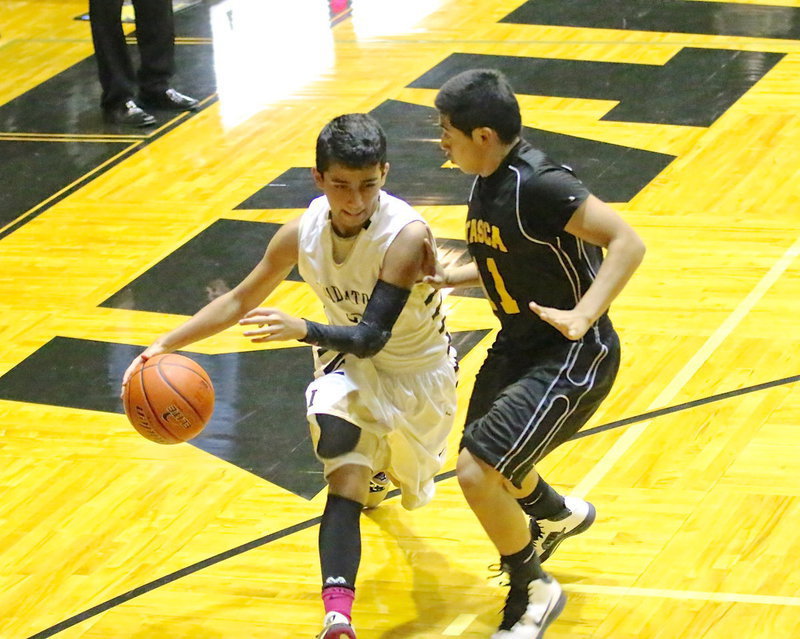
(155, 34)
(114, 66)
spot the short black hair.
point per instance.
(481, 97)
(354, 140)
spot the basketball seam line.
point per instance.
(152, 410)
(178, 393)
(183, 366)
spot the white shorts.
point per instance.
(404, 418)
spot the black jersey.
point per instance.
(515, 233)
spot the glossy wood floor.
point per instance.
(105, 535)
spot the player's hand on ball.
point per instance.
(571, 324)
(273, 325)
(140, 359)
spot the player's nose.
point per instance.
(356, 201)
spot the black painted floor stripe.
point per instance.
(55, 198)
(183, 572)
(97, 171)
(72, 137)
(162, 581)
(686, 406)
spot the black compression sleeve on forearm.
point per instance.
(370, 335)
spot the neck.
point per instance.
(345, 235)
(496, 157)
(350, 233)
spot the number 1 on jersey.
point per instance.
(507, 303)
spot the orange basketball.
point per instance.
(169, 399)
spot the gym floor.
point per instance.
(682, 114)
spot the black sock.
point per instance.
(340, 542)
(543, 502)
(523, 566)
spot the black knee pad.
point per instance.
(337, 436)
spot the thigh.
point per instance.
(543, 407)
(424, 405)
(336, 395)
(498, 370)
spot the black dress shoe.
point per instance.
(169, 99)
(129, 113)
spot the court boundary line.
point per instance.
(134, 146)
(690, 369)
(309, 523)
(683, 595)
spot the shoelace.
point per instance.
(516, 599)
(536, 531)
(498, 571)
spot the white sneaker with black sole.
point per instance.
(549, 533)
(546, 600)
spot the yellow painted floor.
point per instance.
(106, 535)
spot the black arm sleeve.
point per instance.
(370, 335)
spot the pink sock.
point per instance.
(338, 599)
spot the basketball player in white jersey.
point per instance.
(383, 396)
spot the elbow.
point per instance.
(634, 247)
(370, 343)
(366, 353)
(639, 249)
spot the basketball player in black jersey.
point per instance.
(536, 237)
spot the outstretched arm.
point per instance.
(462, 276)
(599, 224)
(439, 276)
(279, 258)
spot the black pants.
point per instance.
(155, 34)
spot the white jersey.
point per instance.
(419, 339)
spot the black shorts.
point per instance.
(523, 406)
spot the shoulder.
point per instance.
(414, 232)
(317, 206)
(541, 178)
(397, 208)
(534, 166)
(403, 258)
(395, 215)
(284, 245)
(548, 193)
(289, 232)
(312, 217)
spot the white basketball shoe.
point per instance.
(546, 600)
(549, 533)
(336, 626)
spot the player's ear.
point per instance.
(484, 135)
(384, 172)
(318, 177)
